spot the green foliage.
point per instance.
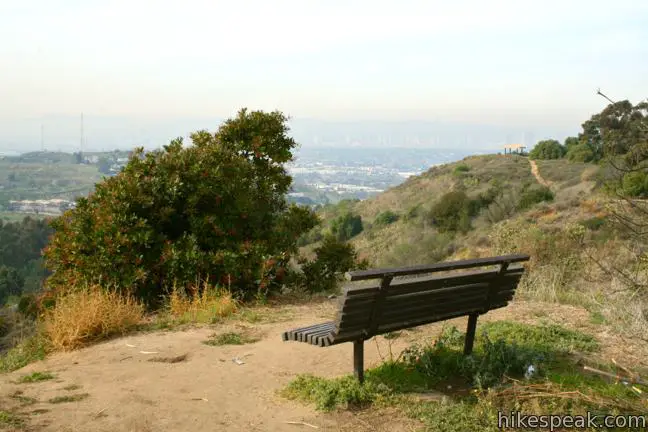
(635, 184)
(461, 168)
(333, 258)
(547, 149)
(27, 351)
(455, 416)
(542, 338)
(215, 210)
(570, 143)
(21, 267)
(11, 420)
(11, 283)
(35, 377)
(346, 226)
(503, 349)
(230, 338)
(386, 218)
(495, 358)
(413, 213)
(581, 153)
(453, 212)
(594, 223)
(533, 196)
(329, 394)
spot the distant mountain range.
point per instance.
(108, 133)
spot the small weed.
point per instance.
(175, 359)
(329, 394)
(35, 377)
(71, 398)
(24, 400)
(392, 335)
(597, 318)
(72, 387)
(28, 351)
(10, 419)
(230, 338)
(539, 313)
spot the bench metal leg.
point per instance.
(470, 333)
(358, 360)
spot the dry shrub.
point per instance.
(591, 206)
(89, 315)
(201, 305)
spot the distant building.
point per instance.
(514, 148)
(52, 207)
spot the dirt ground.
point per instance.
(208, 391)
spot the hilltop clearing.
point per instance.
(175, 381)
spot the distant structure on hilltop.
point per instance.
(52, 207)
(514, 148)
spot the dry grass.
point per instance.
(173, 359)
(89, 315)
(204, 305)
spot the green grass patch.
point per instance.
(8, 419)
(230, 338)
(597, 318)
(392, 335)
(494, 378)
(28, 351)
(35, 377)
(24, 400)
(72, 387)
(542, 338)
(70, 398)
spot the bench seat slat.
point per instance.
(299, 333)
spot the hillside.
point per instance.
(211, 257)
(413, 238)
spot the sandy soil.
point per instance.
(210, 392)
(536, 174)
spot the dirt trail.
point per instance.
(536, 174)
(208, 391)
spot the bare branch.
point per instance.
(601, 94)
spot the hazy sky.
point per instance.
(498, 61)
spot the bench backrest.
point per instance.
(391, 305)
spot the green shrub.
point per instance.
(452, 212)
(461, 168)
(333, 258)
(346, 226)
(386, 218)
(594, 223)
(547, 149)
(413, 213)
(215, 210)
(635, 184)
(581, 153)
(535, 196)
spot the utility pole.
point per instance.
(81, 144)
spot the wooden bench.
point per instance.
(391, 305)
